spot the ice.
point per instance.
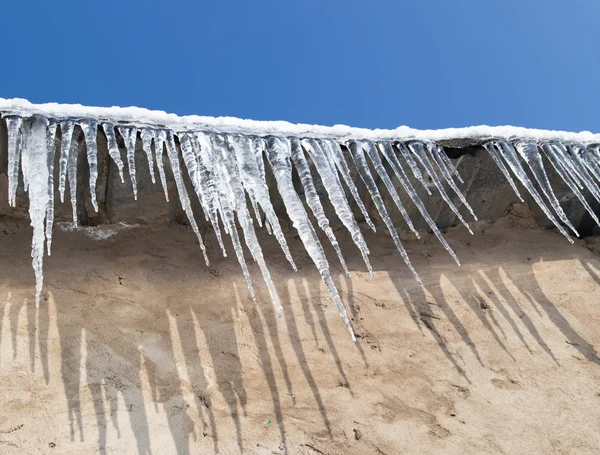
(531, 155)
(418, 148)
(312, 198)
(158, 157)
(278, 154)
(358, 150)
(509, 154)
(256, 187)
(90, 129)
(229, 164)
(13, 124)
(147, 137)
(36, 152)
(113, 147)
(435, 151)
(337, 196)
(414, 167)
(51, 149)
(234, 192)
(565, 172)
(72, 173)
(207, 187)
(340, 163)
(388, 152)
(168, 139)
(66, 131)
(494, 153)
(129, 136)
(365, 174)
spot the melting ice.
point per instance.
(228, 175)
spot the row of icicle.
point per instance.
(226, 169)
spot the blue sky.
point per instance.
(426, 64)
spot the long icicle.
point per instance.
(364, 172)
(36, 154)
(530, 154)
(251, 181)
(90, 130)
(207, 187)
(312, 198)
(14, 125)
(169, 140)
(147, 136)
(51, 150)
(337, 197)
(435, 155)
(369, 148)
(564, 173)
(158, 157)
(509, 154)
(113, 148)
(228, 172)
(66, 132)
(388, 152)
(342, 166)
(72, 174)
(129, 136)
(278, 154)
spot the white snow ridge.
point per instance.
(225, 160)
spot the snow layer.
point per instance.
(145, 117)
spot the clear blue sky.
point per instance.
(369, 63)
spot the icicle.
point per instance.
(583, 157)
(312, 198)
(414, 167)
(564, 173)
(443, 156)
(25, 166)
(13, 124)
(529, 152)
(569, 157)
(388, 152)
(258, 145)
(336, 196)
(489, 146)
(207, 188)
(147, 137)
(66, 131)
(158, 156)
(90, 130)
(566, 161)
(419, 151)
(223, 200)
(113, 147)
(72, 174)
(435, 154)
(51, 149)
(191, 162)
(342, 166)
(129, 135)
(509, 154)
(168, 138)
(36, 153)
(235, 192)
(376, 160)
(365, 173)
(257, 187)
(278, 154)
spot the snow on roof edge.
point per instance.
(146, 117)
